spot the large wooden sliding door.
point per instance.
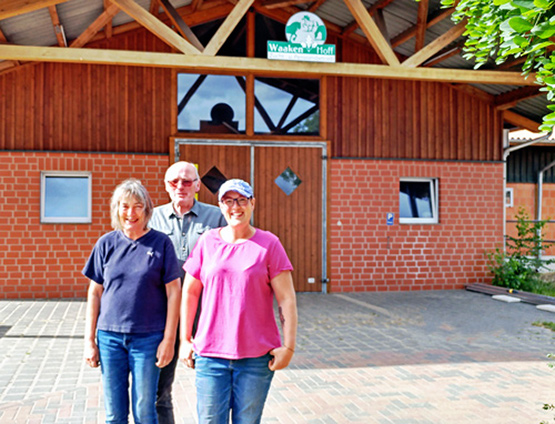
(288, 182)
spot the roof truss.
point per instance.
(183, 40)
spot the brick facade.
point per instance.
(45, 260)
(525, 195)
(367, 255)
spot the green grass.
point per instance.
(545, 286)
(545, 324)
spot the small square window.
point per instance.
(65, 197)
(418, 201)
(509, 197)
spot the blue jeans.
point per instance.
(120, 355)
(237, 386)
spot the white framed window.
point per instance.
(509, 197)
(418, 201)
(65, 197)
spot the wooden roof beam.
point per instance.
(520, 121)
(510, 99)
(96, 26)
(155, 26)
(7, 63)
(371, 10)
(227, 27)
(316, 5)
(443, 56)
(238, 65)
(108, 28)
(180, 24)
(372, 32)
(276, 4)
(11, 8)
(421, 21)
(58, 28)
(411, 32)
(436, 45)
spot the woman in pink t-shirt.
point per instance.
(237, 346)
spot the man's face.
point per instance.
(182, 184)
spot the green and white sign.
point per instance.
(306, 35)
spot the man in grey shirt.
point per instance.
(183, 220)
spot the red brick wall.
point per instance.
(447, 255)
(45, 260)
(525, 195)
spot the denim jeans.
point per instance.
(122, 354)
(237, 386)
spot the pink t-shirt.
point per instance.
(237, 319)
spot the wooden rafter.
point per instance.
(436, 45)
(411, 32)
(520, 121)
(180, 24)
(8, 63)
(227, 27)
(154, 7)
(276, 4)
(96, 26)
(11, 8)
(192, 19)
(239, 65)
(316, 5)
(372, 32)
(58, 28)
(474, 92)
(156, 26)
(196, 5)
(507, 100)
(108, 28)
(371, 10)
(421, 21)
(443, 56)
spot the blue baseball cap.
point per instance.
(240, 186)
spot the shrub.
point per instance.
(518, 266)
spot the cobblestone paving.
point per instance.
(436, 357)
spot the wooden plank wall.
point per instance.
(93, 108)
(129, 109)
(379, 118)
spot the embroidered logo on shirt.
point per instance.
(150, 253)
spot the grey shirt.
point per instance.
(184, 232)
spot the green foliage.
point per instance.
(517, 267)
(545, 324)
(498, 30)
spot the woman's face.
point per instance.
(131, 213)
(236, 208)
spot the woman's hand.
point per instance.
(92, 358)
(281, 358)
(186, 354)
(165, 352)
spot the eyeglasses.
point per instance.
(186, 183)
(241, 201)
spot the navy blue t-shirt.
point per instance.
(134, 274)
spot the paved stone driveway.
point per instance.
(437, 357)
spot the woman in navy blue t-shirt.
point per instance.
(132, 306)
